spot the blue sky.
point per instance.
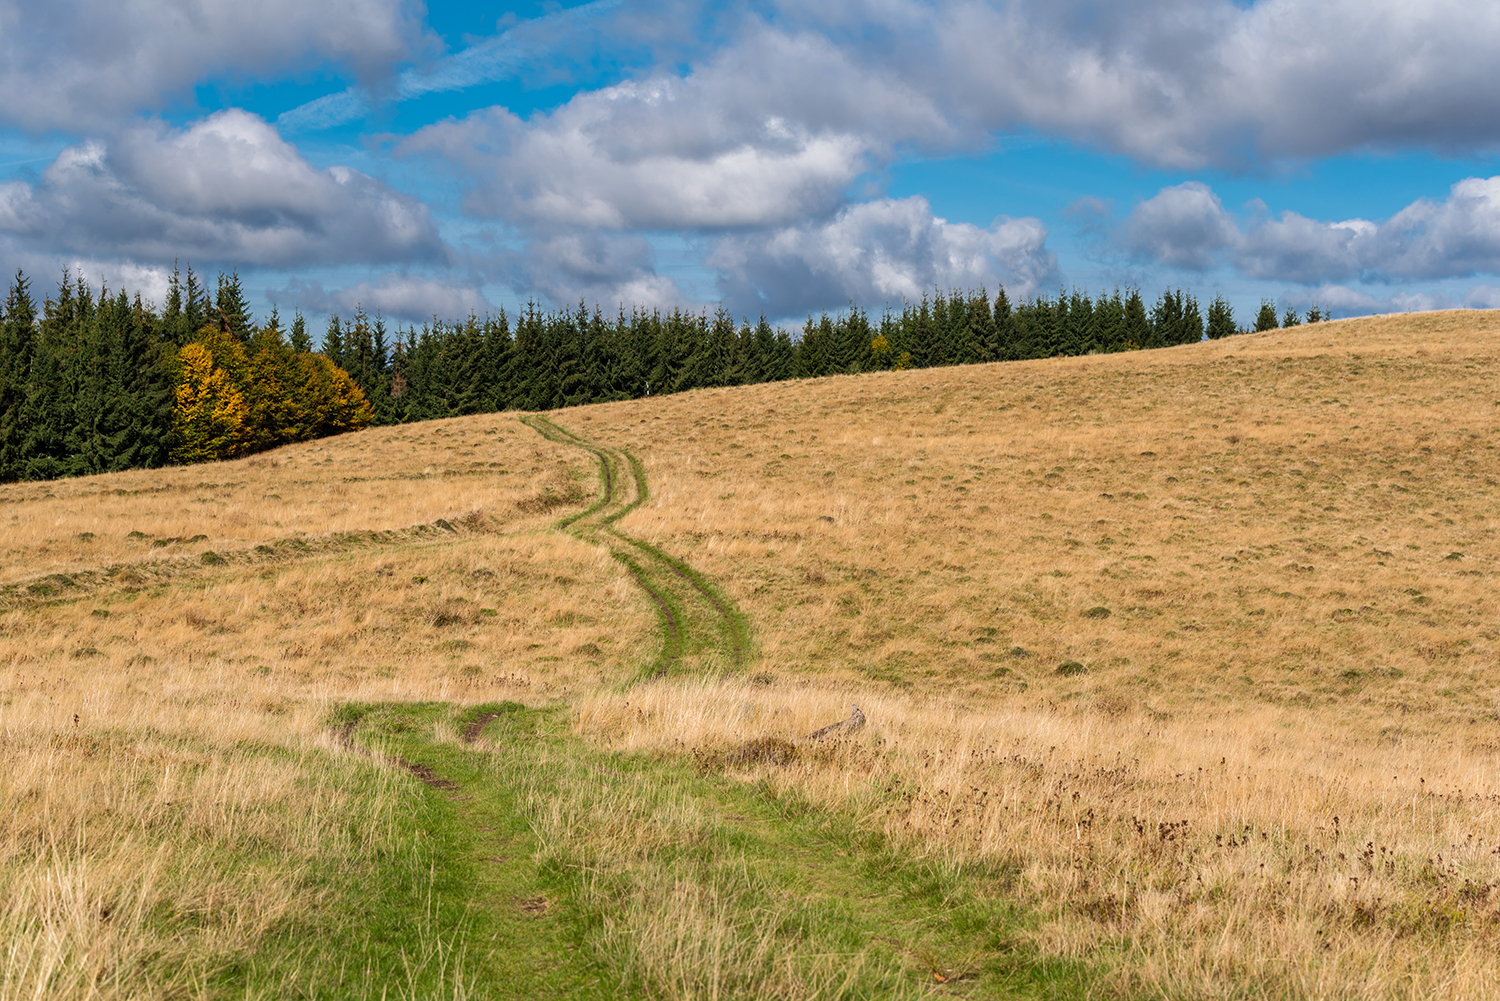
(779, 158)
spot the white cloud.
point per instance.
(397, 295)
(595, 267)
(1189, 83)
(771, 131)
(884, 250)
(1345, 301)
(227, 190)
(69, 64)
(1187, 226)
(1483, 297)
(1183, 226)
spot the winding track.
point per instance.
(696, 617)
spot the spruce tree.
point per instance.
(301, 342)
(333, 341)
(17, 350)
(1003, 345)
(230, 307)
(1290, 317)
(195, 306)
(1220, 318)
(1266, 318)
(1137, 328)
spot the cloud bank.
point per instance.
(225, 190)
(882, 251)
(82, 64)
(1187, 226)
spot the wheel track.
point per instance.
(692, 611)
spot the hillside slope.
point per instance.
(1188, 653)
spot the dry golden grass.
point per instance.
(1246, 854)
(150, 837)
(1290, 533)
(1261, 517)
(381, 480)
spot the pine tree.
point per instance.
(17, 350)
(1290, 317)
(1266, 318)
(233, 312)
(1220, 318)
(1137, 328)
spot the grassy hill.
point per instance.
(1178, 666)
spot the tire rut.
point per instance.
(653, 570)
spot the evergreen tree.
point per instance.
(301, 342)
(141, 385)
(17, 351)
(230, 307)
(1002, 347)
(333, 341)
(1290, 317)
(1109, 322)
(195, 306)
(1220, 318)
(1266, 318)
(1137, 328)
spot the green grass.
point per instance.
(531, 865)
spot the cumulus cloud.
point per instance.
(1184, 226)
(398, 295)
(770, 131)
(1345, 301)
(69, 64)
(595, 267)
(1187, 226)
(1189, 83)
(226, 190)
(884, 250)
(1185, 83)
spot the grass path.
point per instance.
(561, 870)
(702, 629)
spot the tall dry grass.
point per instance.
(1245, 854)
(169, 785)
(1267, 558)
(1134, 630)
(1298, 518)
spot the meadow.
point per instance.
(1178, 671)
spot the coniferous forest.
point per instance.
(95, 382)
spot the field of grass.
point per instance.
(1179, 669)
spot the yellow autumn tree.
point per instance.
(231, 401)
(208, 418)
(329, 400)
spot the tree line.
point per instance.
(100, 382)
(97, 382)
